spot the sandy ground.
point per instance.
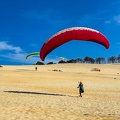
(26, 94)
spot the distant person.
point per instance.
(81, 89)
(36, 68)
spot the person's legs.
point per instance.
(80, 94)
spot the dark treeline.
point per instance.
(87, 59)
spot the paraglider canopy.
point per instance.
(63, 58)
(74, 33)
(33, 54)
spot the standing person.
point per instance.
(81, 89)
(36, 68)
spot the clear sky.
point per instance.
(26, 24)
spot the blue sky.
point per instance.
(26, 24)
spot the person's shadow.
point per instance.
(38, 93)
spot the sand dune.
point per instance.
(26, 94)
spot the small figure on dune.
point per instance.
(57, 70)
(81, 88)
(36, 68)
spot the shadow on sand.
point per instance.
(22, 70)
(38, 93)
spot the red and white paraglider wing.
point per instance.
(75, 33)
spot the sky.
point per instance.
(25, 25)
